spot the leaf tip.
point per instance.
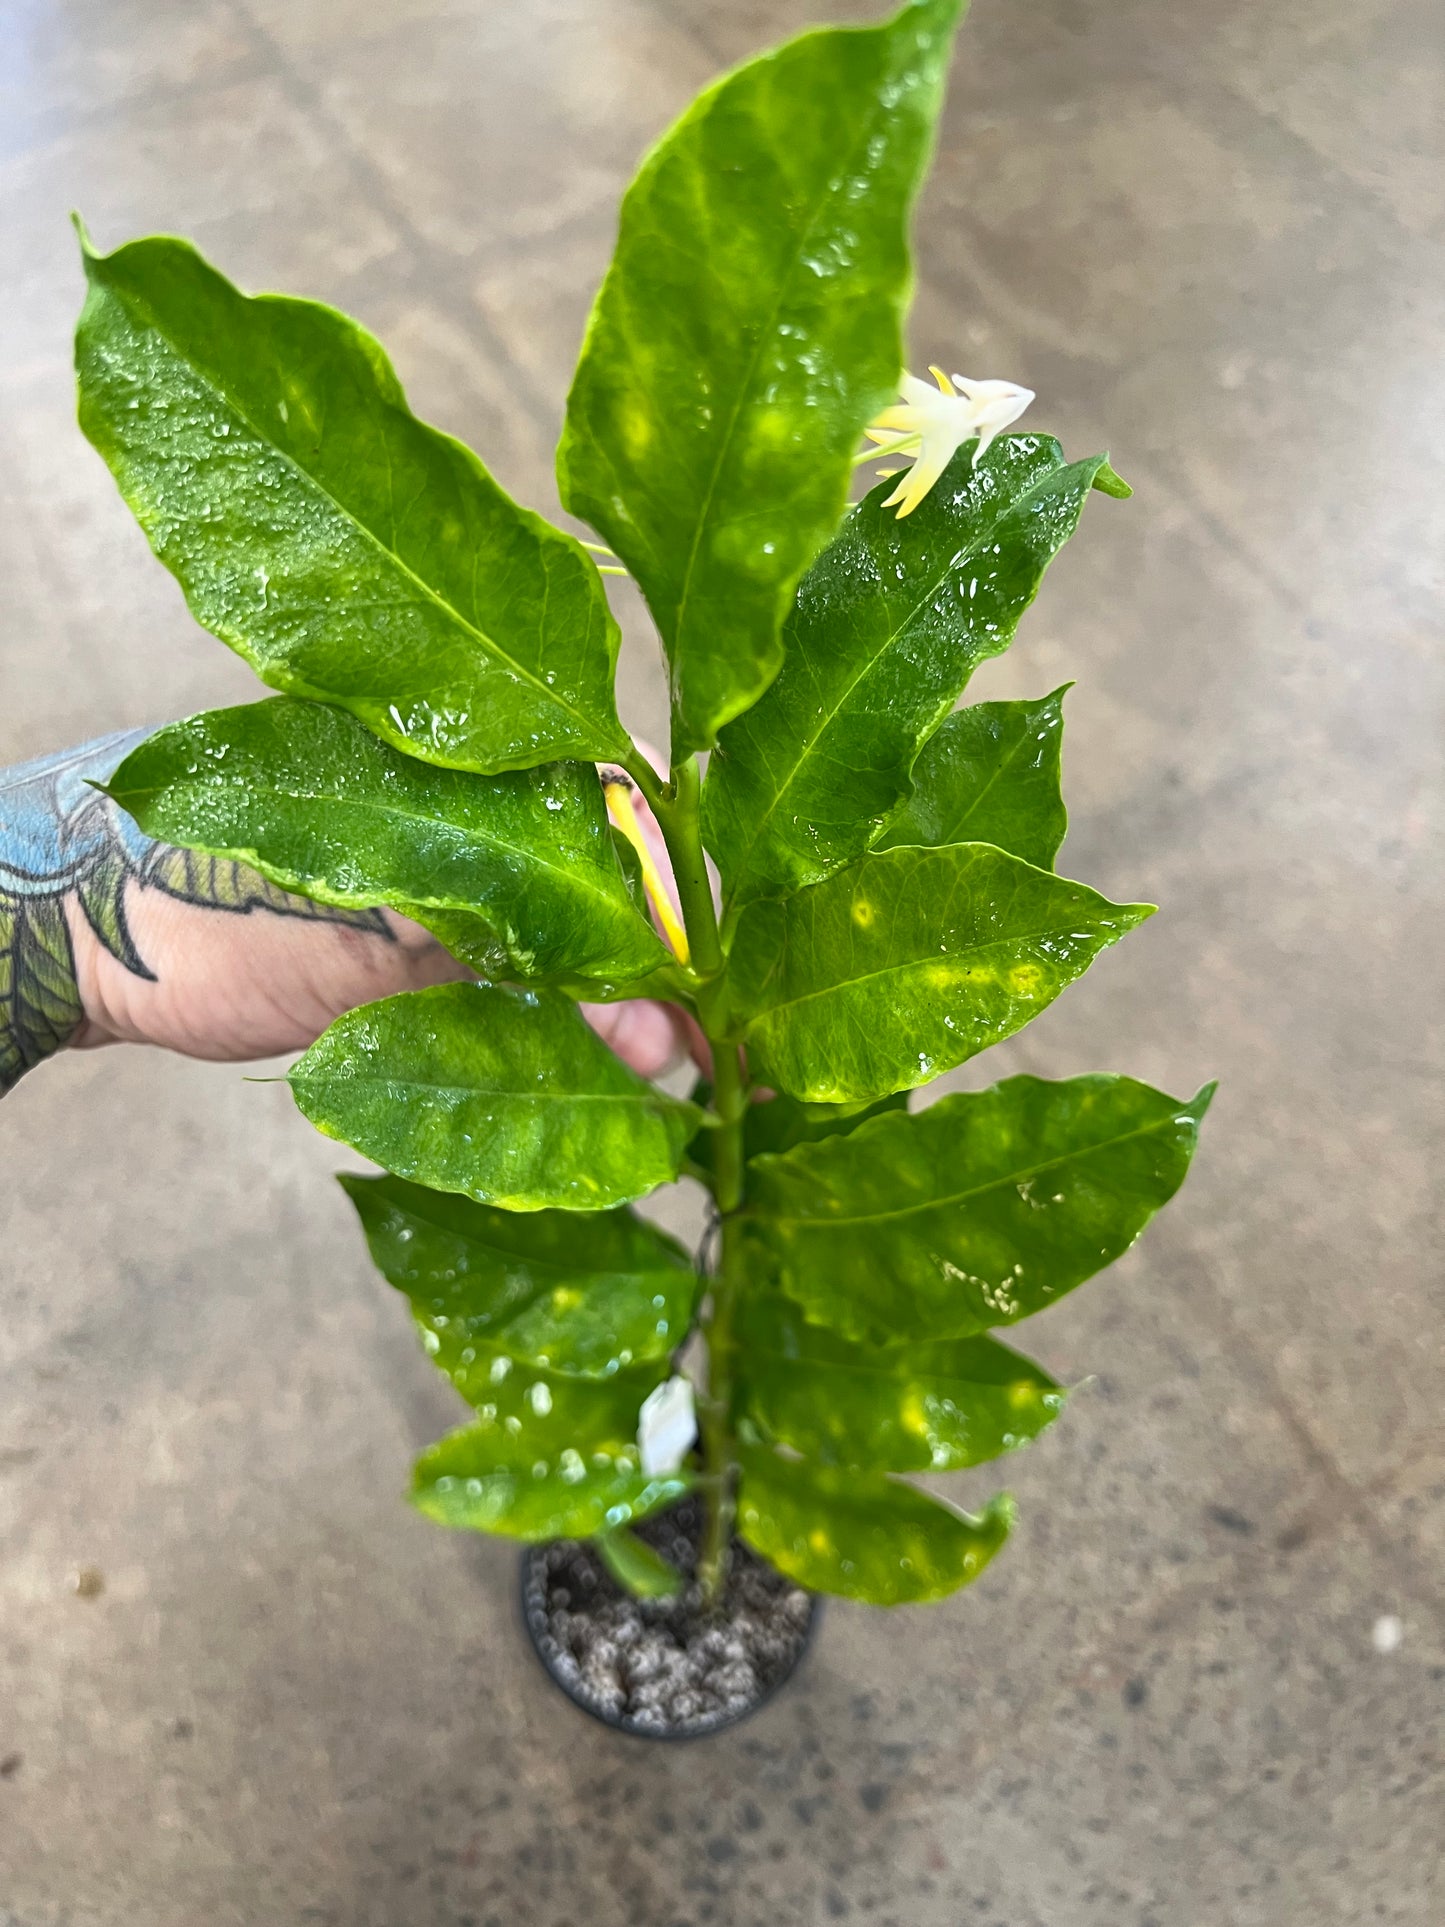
(1001, 1513)
(1109, 481)
(1202, 1099)
(945, 15)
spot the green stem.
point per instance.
(730, 1096)
(676, 807)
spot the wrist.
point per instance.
(93, 1022)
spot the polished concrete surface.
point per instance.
(239, 1681)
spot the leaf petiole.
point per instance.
(619, 805)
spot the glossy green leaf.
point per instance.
(341, 546)
(990, 774)
(860, 1534)
(505, 1095)
(907, 963)
(889, 625)
(636, 1567)
(921, 1407)
(748, 328)
(982, 1209)
(581, 1294)
(778, 1122)
(305, 794)
(549, 1458)
(631, 865)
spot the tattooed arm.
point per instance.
(107, 937)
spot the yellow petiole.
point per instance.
(620, 807)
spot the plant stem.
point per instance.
(730, 1098)
(676, 807)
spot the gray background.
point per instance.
(1211, 237)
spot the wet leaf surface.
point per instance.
(344, 548)
(889, 624)
(748, 328)
(984, 1208)
(504, 1095)
(861, 1534)
(547, 1458)
(305, 794)
(906, 964)
(582, 1294)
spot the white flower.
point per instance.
(931, 424)
(666, 1427)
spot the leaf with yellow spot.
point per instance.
(981, 1210)
(345, 549)
(749, 326)
(886, 630)
(954, 949)
(585, 1296)
(504, 1095)
(917, 1407)
(861, 1534)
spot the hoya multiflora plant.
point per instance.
(888, 905)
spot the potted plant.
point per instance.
(885, 907)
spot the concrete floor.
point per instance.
(1211, 238)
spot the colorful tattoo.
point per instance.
(59, 839)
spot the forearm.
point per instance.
(46, 849)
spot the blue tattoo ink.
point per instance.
(59, 839)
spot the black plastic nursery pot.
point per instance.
(665, 1669)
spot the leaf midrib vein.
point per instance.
(785, 284)
(943, 1203)
(488, 645)
(1010, 756)
(914, 963)
(578, 877)
(828, 716)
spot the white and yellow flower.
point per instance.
(932, 424)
